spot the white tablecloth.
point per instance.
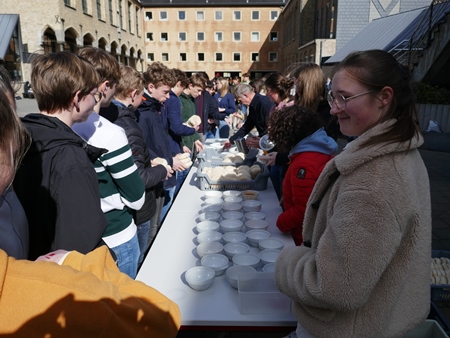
(174, 252)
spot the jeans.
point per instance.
(181, 176)
(167, 202)
(143, 230)
(127, 256)
(223, 130)
(276, 172)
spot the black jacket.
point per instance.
(58, 188)
(258, 116)
(148, 117)
(151, 176)
(206, 107)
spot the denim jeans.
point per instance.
(143, 230)
(276, 175)
(181, 176)
(168, 202)
(127, 256)
(223, 130)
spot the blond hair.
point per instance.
(131, 80)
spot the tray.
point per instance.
(259, 183)
(440, 292)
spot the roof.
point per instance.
(384, 33)
(212, 3)
(8, 23)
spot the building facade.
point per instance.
(226, 38)
(55, 25)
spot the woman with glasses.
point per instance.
(364, 267)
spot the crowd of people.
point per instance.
(86, 184)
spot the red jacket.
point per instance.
(302, 174)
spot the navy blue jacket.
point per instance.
(149, 119)
(172, 122)
(258, 115)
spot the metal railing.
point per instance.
(408, 51)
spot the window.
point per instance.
(200, 36)
(130, 25)
(136, 19)
(273, 15)
(273, 56)
(150, 56)
(182, 36)
(218, 36)
(255, 36)
(182, 15)
(200, 16)
(149, 36)
(148, 15)
(183, 57)
(164, 36)
(236, 56)
(120, 15)
(237, 15)
(163, 15)
(67, 2)
(273, 36)
(218, 15)
(236, 36)
(200, 56)
(99, 9)
(218, 56)
(111, 12)
(255, 15)
(255, 57)
(84, 5)
(165, 56)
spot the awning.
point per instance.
(384, 33)
(8, 23)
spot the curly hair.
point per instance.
(291, 124)
(159, 75)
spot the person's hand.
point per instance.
(270, 158)
(227, 120)
(57, 256)
(198, 146)
(177, 164)
(227, 145)
(221, 109)
(252, 142)
(169, 172)
(186, 150)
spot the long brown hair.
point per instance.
(376, 69)
(309, 85)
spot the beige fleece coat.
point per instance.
(367, 272)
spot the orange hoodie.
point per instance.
(85, 297)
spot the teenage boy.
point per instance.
(56, 183)
(158, 80)
(121, 187)
(127, 98)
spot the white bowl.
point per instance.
(233, 199)
(214, 201)
(250, 194)
(200, 277)
(230, 193)
(207, 226)
(251, 205)
(255, 215)
(217, 262)
(269, 267)
(271, 243)
(229, 225)
(254, 236)
(233, 215)
(209, 236)
(234, 237)
(256, 224)
(232, 249)
(212, 194)
(233, 271)
(209, 216)
(269, 256)
(211, 208)
(209, 248)
(227, 206)
(246, 258)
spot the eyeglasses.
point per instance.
(97, 96)
(341, 101)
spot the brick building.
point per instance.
(228, 37)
